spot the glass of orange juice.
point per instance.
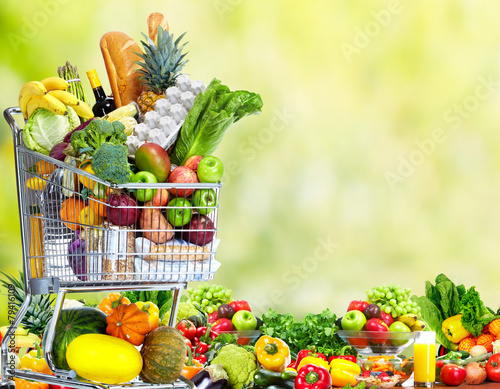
(424, 353)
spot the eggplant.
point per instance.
(211, 377)
(76, 257)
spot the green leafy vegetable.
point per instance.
(45, 129)
(440, 302)
(219, 342)
(318, 330)
(475, 314)
(208, 120)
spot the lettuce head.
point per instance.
(44, 129)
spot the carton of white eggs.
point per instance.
(162, 125)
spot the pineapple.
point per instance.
(39, 312)
(161, 66)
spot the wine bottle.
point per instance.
(103, 104)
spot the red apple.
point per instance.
(182, 175)
(193, 162)
(357, 305)
(377, 325)
(153, 158)
(200, 230)
(386, 318)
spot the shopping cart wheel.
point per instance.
(7, 385)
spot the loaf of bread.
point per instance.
(154, 20)
(118, 51)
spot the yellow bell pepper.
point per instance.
(152, 310)
(454, 330)
(313, 361)
(344, 372)
(86, 166)
(272, 353)
(34, 361)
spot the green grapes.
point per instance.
(210, 297)
(393, 300)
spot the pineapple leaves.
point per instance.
(162, 62)
(208, 120)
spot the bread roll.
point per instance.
(154, 20)
(118, 52)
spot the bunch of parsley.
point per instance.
(318, 330)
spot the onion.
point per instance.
(123, 210)
(476, 373)
(57, 151)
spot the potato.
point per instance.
(153, 219)
(160, 198)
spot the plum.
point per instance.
(372, 311)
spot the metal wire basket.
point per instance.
(75, 233)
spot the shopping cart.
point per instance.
(75, 239)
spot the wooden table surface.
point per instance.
(484, 385)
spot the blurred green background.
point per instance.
(376, 158)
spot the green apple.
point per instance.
(244, 321)
(400, 327)
(353, 321)
(180, 212)
(204, 201)
(210, 169)
(145, 178)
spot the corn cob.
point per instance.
(129, 110)
(129, 123)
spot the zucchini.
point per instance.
(267, 378)
(287, 384)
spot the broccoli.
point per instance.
(110, 163)
(239, 364)
(185, 310)
(96, 133)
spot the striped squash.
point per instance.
(163, 354)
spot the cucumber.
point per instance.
(267, 378)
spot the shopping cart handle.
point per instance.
(8, 115)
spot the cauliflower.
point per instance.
(185, 310)
(239, 364)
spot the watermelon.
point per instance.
(72, 323)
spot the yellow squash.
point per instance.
(104, 358)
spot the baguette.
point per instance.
(118, 51)
(154, 20)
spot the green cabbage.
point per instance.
(44, 129)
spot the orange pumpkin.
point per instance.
(70, 212)
(128, 322)
(98, 206)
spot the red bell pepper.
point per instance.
(309, 353)
(342, 355)
(213, 317)
(351, 358)
(313, 377)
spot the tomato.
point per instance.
(187, 328)
(453, 375)
(493, 368)
(188, 343)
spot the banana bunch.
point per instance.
(412, 322)
(51, 94)
(21, 337)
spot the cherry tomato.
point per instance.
(201, 348)
(188, 343)
(201, 358)
(493, 368)
(453, 375)
(187, 328)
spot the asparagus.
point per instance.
(69, 72)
